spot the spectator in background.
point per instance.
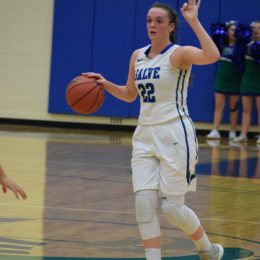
(7, 183)
(250, 88)
(229, 75)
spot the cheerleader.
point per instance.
(250, 88)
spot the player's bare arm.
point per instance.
(185, 56)
(126, 93)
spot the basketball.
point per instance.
(84, 95)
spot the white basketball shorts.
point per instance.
(164, 157)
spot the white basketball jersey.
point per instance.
(162, 88)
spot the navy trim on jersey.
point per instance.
(182, 88)
(147, 51)
(166, 48)
(183, 125)
(162, 52)
(195, 139)
(187, 115)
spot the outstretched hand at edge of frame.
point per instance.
(7, 183)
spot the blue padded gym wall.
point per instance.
(100, 36)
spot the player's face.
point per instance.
(231, 33)
(256, 31)
(158, 24)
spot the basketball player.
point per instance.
(164, 143)
(7, 183)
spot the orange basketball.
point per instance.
(84, 95)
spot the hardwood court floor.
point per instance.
(81, 205)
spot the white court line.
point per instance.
(119, 212)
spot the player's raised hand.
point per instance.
(190, 10)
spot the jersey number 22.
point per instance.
(147, 92)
